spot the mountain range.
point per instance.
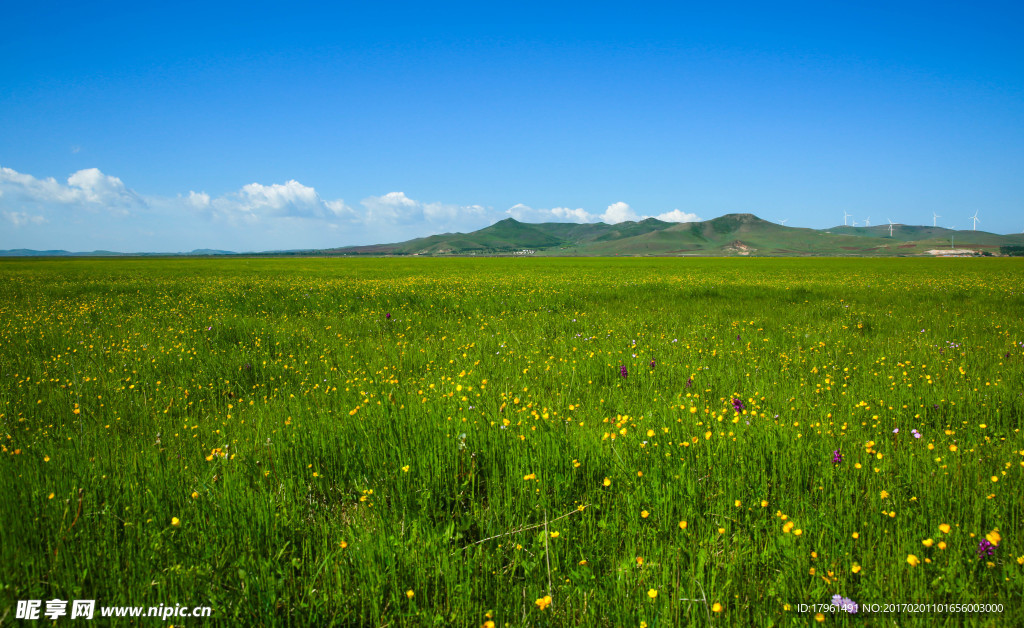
(729, 235)
(732, 234)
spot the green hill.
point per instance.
(732, 234)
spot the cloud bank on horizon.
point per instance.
(93, 210)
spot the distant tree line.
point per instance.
(1013, 250)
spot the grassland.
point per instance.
(450, 442)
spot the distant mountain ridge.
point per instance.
(63, 253)
(729, 235)
(732, 234)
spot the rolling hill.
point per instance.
(732, 234)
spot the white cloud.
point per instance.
(199, 200)
(341, 210)
(87, 187)
(525, 213)
(619, 212)
(276, 197)
(20, 219)
(579, 215)
(392, 207)
(256, 202)
(678, 216)
(614, 214)
(398, 209)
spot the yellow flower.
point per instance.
(716, 607)
(343, 544)
(195, 495)
(682, 525)
(884, 494)
(913, 561)
(995, 478)
(175, 521)
(787, 527)
(856, 569)
(607, 482)
(927, 542)
(583, 563)
(942, 545)
(652, 593)
(51, 496)
(994, 537)
(639, 560)
(798, 532)
(818, 617)
(944, 527)
(644, 514)
(488, 624)
(554, 535)
(738, 503)
(405, 469)
(532, 476)
(764, 503)
(543, 602)
(410, 594)
(856, 535)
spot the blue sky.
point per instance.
(257, 126)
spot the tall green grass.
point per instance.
(478, 450)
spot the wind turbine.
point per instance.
(845, 216)
(890, 227)
(975, 219)
(935, 217)
(867, 222)
(783, 222)
(854, 223)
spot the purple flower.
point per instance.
(896, 431)
(652, 363)
(737, 404)
(985, 548)
(737, 336)
(388, 316)
(623, 372)
(689, 382)
(209, 328)
(915, 433)
(844, 603)
(836, 457)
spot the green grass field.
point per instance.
(449, 442)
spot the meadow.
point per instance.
(528, 442)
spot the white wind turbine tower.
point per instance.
(890, 227)
(867, 221)
(975, 219)
(854, 223)
(935, 217)
(783, 222)
(845, 216)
